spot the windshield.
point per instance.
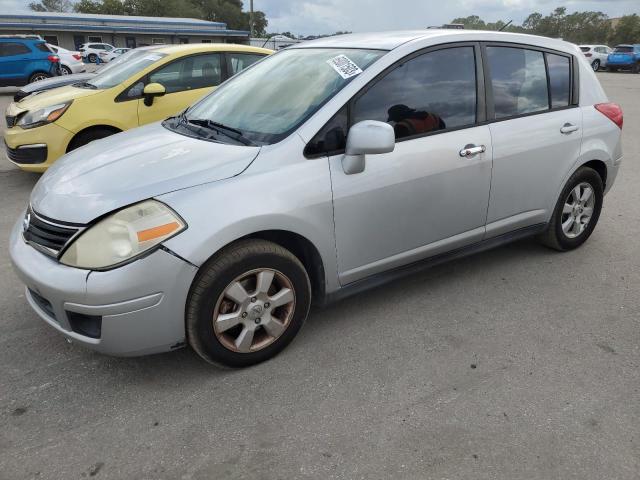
(269, 100)
(125, 68)
(623, 50)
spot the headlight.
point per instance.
(43, 116)
(123, 236)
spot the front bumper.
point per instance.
(140, 306)
(52, 138)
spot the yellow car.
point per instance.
(152, 84)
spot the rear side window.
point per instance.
(623, 50)
(240, 61)
(519, 81)
(190, 73)
(431, 92)
(559, 80)
(13, 48)
(43, 47)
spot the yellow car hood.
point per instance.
(48, 98)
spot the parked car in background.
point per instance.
(329, 167)
(91, 51)
(146, 87)
(25, 59)
(108, 56)
(596, 55)
(624, 57)
(70, 62)
(55, 82)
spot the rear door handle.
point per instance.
(569, 128)
(472, 150)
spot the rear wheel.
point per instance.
(38, 76)
(577, 211)
(247, 304)
(65, 70)
(595, 65)
(93, 58)
(612, 69)
(636, 68)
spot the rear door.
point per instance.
(186, 80)
(15, 58)
(424, 198)
(536, 130)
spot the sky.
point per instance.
(308, 17)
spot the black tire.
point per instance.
(36, 77)
(595, 65)
(89, 136)
(93, 58)
(612, 69)
(635, 68)
(64, 70)
(554, 237)
(217, 274)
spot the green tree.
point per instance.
(110, 7)
(627, 30)
(51, 6)
(472, 22)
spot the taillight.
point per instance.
(77, 56)
(53, 58)
(612, 111)
(587, 54)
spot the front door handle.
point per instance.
(472, 150)
(569, 128)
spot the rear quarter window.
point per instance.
(559, 80)
(43, 47)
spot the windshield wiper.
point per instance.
(85, 85)
(230, 132)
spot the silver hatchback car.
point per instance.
(330, 167)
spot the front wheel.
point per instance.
(595, 65)
(247, 304)
(577, 211)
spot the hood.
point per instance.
(55, 82)
(129, 167)
(50, 97)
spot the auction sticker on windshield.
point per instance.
(344, 66)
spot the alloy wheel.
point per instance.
(254, 310)
(38, 77)
(595, 65)
(578, 209)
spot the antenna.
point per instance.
(503, 27)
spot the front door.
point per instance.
(425, 197)
(537, 134)
(186, 80)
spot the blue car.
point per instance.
(25, 59)
(624, 57)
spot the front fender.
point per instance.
(295, 198)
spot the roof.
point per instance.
(70, 16)
(209, 47)
(393, 40)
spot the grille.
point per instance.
(48, 234)
(28, 155)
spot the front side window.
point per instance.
(559, 80)
(435, 91)
(190, 73)
(240, 61)
(136, 62)
(519, 81)
(270, 100)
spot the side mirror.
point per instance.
(369, 137)
(152, 91)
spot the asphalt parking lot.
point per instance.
(519, 363)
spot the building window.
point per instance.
(157, 41)
(183, 40)
(95, 39)
(52, 39)
(204, 40)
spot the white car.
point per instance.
(70, 62)
(91, 51)
(107, 56)
(596, 55)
